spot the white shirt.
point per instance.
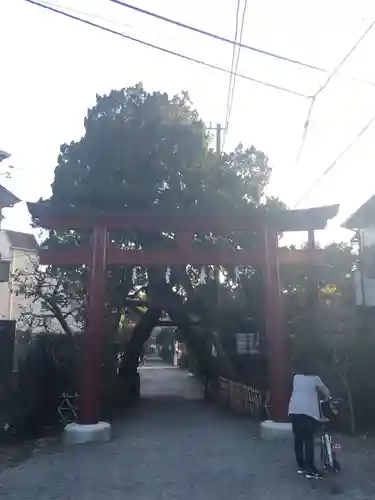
(305, 396)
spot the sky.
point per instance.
(52, 68)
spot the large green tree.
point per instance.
(146, 150)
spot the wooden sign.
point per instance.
(247, 343)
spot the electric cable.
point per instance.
(165, 50)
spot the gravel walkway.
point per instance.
(175, 446)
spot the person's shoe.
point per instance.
(300, 471)
(313, 475)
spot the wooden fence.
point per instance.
(243, 399)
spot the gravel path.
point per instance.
(175, 446)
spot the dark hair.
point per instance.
(304, 365)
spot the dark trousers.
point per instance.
(304, 428)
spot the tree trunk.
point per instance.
(129, 383)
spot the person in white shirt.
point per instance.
(304, 410)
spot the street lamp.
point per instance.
(4, 155)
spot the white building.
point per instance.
(19, 254)
(20, 250)
(363, 221)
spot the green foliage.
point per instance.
(144, 150)
(140, 150)
(149, 151)
(303, 285)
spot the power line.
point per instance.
(305, 129)
(229, 113)
(343, 61)
(162, 49)
(322, 87)
(232, 69)
(334, 163)
(217, 37)
(89, 14)
(233, 42)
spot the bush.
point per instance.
(51, 366)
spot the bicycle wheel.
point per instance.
(327, 451)
(322, 452)
(331, 465)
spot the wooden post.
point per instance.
(274, 329)
(91, 388)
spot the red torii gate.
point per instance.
(184, 225)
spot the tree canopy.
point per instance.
(144, 149)
(150, 151)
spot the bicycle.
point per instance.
(328, 448)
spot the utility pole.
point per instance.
(218, 130)
(218, 139)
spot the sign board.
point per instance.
(247, 343)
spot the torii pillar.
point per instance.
(91, 387)
(89, 427)
(275, 329)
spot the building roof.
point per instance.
(26, 241)
(7, 199)
(4, 155)
(363, 217)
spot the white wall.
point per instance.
(23, 260)
(367, 285)
(6, 254)
(368, 251)
(11, 305)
